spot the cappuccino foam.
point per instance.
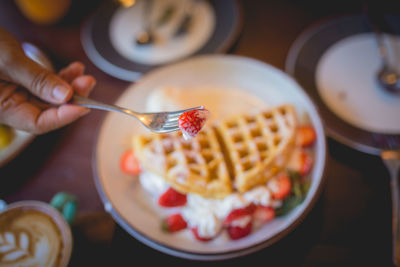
(29, 237)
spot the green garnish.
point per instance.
(297, 195)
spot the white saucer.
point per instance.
(346, 81)
(336, 61)
(167, 46)
(108, 36)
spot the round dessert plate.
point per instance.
(336, 62)
(109, 36)
(225, 85)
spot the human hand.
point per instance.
(27, 90)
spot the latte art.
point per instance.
(13, 247)
(29, 238)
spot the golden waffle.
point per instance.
(258, 146)
(237, 153)
(189, 166)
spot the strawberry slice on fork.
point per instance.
(191, 122)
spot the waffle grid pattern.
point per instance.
(258, 144)
(195, 165)
(234, 154)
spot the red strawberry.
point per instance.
(192, 121)
(264, 213)
(172, 198)
(237, 232)
(301, 162)
(282, 186)
(305, 162)
(306, 135)
(174, 223)
(129, 163)
(238, 214)
(198, 237)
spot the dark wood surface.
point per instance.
(349, 226)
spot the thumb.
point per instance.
(40, 81)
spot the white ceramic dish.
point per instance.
(108, 37)
(169, 48)
(237, 76)
(336, 61)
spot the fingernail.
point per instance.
(60, 92)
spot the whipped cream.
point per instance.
(152, 183)
(207, 214)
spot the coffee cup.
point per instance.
(33, 233)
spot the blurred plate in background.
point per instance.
(336, 62)
(109, 35)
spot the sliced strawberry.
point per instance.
(281, 187)
(129, 163)
(200, 238)
(305, 163)
(301, 162)
(192, 121)
(306, 135)
(264, 213)
(238, 214)
(172, 198)
(237, 232)
(174, 223)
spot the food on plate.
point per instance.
(236, 175)
(128, 163)
(174, 223)
(6, 136)
(306, 135)
(258, 145)
(191, 122)
(190, 166)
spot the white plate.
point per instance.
(108, 36)
(346, 81)
(237, 76)
(166, 48)
(336, 60)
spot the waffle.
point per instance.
(258, 146)
(189, 166)
(234, 154)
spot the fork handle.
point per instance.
(90, 103)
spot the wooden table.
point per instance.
(350, 224)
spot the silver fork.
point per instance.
(159, 122)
